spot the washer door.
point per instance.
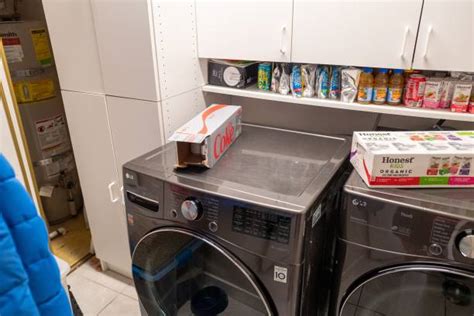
(413, 291)
(178, 272)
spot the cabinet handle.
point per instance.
(282, 40)
(428, 37)
(111, 192)
(404, 43)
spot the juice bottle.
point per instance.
(380, 87)
(395, 87)
(366, 86)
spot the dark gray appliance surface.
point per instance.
(399, 241)
(457, 202)
(266, 166)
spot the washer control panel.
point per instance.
(191, 208)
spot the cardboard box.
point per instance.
(414, 159)
(204, 139)
(26, 44)
(234, 74)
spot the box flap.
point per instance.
(204, 124)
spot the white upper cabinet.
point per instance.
(246, 30)
(124, 36)
(446, 37)
(71, 28)
(359, 33)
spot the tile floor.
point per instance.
(102, 293)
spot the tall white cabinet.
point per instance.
(138, 80)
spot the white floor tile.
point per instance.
(91, 297)
(110, 279)
(130, 291)
(121, 305)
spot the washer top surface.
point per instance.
(267, 166)
(457, 202)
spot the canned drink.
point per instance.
(264, 76)
(414, 90)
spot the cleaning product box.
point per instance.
(204, 139)
(235, 74)
(414, 159)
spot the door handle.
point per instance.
(427, 44)
(404, 43)
(113, 199)
(282, 40)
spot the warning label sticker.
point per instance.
(52, 136)
(12, 45)
(41, 44)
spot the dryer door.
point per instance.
(414, 290)
(179, 272)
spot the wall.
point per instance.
(323, 120)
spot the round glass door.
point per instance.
(413, 291)
(177, 272)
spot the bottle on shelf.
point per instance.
(380, 86)
(366, 86)
(395, 87)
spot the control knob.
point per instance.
(466, 244)
(191, 209)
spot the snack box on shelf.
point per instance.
(414, 159)
(234, 74)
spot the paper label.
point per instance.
(41, 45)
(280, 274)
(52, 135)
(13, 49)
(46, 191)
(316, 216)
(34, 90)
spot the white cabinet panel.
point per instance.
(446, 37)
(135, 127)
(124, 36)
(71, 28)
(180, 109)
(176, 46)
(91, 140)
(249, 29)
(360, 33)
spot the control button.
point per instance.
(174, 213)
(213, 227)
(191, 209)
(435, 249)
(466, 245)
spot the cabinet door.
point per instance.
(358, 33)
(248, 30)
(446, 37)
(135, 126)
(91, 140)
(124, 36)
(74, 43)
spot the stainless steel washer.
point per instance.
(405, 252)
(243, 238)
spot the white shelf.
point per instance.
(253, 92)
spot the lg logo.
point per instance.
(280, 274)
(357, 202)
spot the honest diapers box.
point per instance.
(203, 140)
(414, 159)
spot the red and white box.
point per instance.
(414, 159)
(205, 138)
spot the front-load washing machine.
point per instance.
(243, 238)
(407, 252)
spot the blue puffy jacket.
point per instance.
(29, 276)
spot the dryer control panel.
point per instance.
(414, 231)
